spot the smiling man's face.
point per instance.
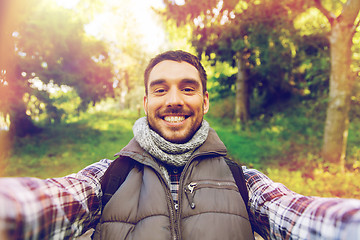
(175, 103)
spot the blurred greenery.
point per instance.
(68, 147)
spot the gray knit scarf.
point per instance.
(170, 153)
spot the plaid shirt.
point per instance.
(174, 174)
(66, 207)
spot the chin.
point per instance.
(179, 139)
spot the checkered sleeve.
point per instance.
(55, 208)
(278, 213)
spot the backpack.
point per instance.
(118, 170)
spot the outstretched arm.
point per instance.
(59, 208)
(278, 213)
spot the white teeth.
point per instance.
(174, 119)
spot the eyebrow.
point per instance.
(156, 82)
(190, 81)
(183, 81)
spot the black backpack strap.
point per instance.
(239, 178)
(114, 176)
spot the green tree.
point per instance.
(49, 47)
(256, 37)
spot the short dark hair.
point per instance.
(178, 56)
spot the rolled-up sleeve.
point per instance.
(54, 208)
(278, 213)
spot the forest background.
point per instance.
(283, 79)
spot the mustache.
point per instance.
(175, 111)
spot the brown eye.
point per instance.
(188, 90)
(159, 91)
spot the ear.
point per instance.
(145, 105)
(206, 102)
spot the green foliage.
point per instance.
(51, 50)
(223, 86)
(222, 109)
(268, 36)
(314, 65)
(67, 57)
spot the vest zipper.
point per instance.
(173, 219)
(170, 202)
(181, 184)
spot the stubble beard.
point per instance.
(174, 137)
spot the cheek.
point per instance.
(152, 106)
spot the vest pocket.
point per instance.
(192, 187)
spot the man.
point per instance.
(180, 186)
(175, 139)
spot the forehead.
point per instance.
(172, 71)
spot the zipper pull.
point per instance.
(191, 186)
(189, 192)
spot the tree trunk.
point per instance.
(21, 123)
(341, 83)
(242, 96)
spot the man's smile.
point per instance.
(174, 119)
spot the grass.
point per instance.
(249, 147)
(68, 147)
(284, 146)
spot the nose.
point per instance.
(174, 98)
